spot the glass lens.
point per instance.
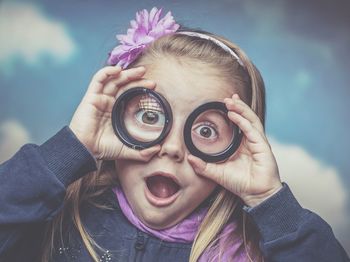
(212, 132)
(144, 117)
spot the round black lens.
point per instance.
(209, 134)
(141, 118)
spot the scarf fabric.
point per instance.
(185, 232)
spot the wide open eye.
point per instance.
(211, 131)
(144, 118)
(206, 130)
(214, 137)
(150, 117)
(141, 118)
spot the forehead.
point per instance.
(188, 84)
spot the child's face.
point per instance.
(185, 86)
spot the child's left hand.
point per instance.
(252, 172)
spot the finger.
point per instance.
(237, 105)
(102, 102)
(148, 83)
(124, 78)
(208, 170)
(99, 79)
(148, 153)
(111, 89)
(247, 128)
(129, 75)
(140, 155)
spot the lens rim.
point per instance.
(217, 157)
(119, 125)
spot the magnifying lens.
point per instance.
(142, 118)
(209, 133)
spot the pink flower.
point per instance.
(147, 27)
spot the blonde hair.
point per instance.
(226, 205)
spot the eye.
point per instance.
(150, 117)
(206, 130)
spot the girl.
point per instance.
(204, 187)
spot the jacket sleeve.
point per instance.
(292, 233)
(33, 183)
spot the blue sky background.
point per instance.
(50, 49)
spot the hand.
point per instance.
(91, 122)
(252, 172)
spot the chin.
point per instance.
(157, 220)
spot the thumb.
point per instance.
(208, 170)
(148, 153)
(140, 155)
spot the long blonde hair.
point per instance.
(226, 205)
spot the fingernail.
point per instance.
(231, 114)
(155, 149)
(191, 160)
(235, 96)
(150, 82)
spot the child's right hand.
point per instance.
(92, 123)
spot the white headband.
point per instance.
(216, 41)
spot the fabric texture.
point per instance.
(186, 230)
(33, 185)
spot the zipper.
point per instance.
(140, 246)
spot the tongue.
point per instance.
(161, 186)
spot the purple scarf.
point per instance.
(185, 232)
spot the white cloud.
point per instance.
(27, 34)
(317, 186)
(12, 136)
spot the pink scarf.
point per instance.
(185, 232)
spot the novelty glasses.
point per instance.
(142, 118)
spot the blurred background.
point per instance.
(50, 49)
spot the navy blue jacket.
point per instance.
(33, 185)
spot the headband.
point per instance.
(148, 27)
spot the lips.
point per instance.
(162, 188)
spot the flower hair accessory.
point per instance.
(147, 27)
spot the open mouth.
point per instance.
(162, 186)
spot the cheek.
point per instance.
(130, 178)
(201, 188)
(127, 172)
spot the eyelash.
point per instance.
(143, 110)
(212, 127)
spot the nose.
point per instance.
(173, 145)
